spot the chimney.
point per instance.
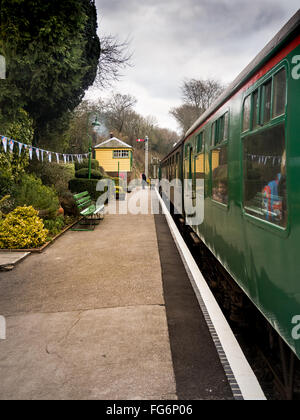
(111, 135)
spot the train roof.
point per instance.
(290, 29)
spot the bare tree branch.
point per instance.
(114, 57)
(197, 95)
(201, 93)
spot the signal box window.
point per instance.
(219, 166)
(279, 96)
(121, 154)
(265, 175)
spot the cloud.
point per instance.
(172, 40)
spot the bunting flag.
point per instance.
(39, 153)
(4, 143)
(11, 145)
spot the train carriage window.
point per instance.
(219, 166)
(214, 133)
(266, 101)
(246, 113)
(191, 161)
(279, 93)
(177, 166)
(223, 128)
(200, 142)
(199, 165)
(186, 150)
(226, 126)
(265, 175)
(255, 105)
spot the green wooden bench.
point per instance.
(91, 213)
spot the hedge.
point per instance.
(84, 173)
(79, 185)
(85, 164)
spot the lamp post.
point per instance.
(94, 124)
(146, 155)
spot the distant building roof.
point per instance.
(113, 143)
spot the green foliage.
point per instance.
(84, 173)
(85, 164)
(12, 165)
(53, 174)
(3, 202)
(31, 192)
(52, 52)
(54, 226)
(78, 185)
(22, 229)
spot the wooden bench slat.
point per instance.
(88, 211)
(82, 200)
(81, 195)
(84, 203)
(87, 206)
(99, 209)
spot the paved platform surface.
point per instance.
(108, 314)
(8, 260)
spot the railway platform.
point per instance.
(117, 314)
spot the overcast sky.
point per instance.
(173, 40)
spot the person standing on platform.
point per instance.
(144, 181)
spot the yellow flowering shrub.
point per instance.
(22, 229)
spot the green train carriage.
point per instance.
(246, 148)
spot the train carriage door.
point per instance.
(199, 168)
(264, 182)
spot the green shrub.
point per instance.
(22, 229)
(84, 173)
(6, 205)
(52, 174)
(85, 164)
(54, 226)
(13, 165)
(79, 185)
(31, 192)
